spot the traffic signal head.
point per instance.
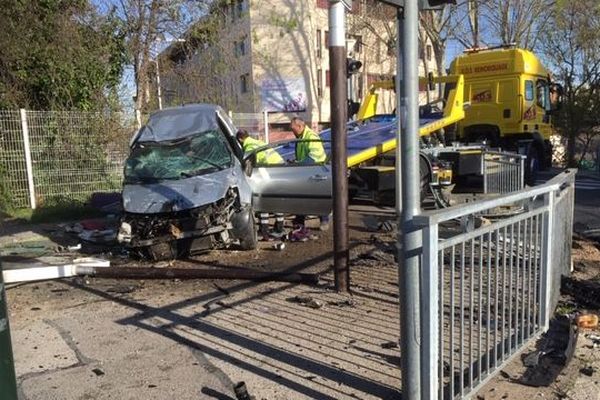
(352, 66)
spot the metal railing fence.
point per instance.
(52, 156)
(503, 172)
(488, 292)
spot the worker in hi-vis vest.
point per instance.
(309, 149)
(267, 156)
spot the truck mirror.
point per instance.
(556, 93)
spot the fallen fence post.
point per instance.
(197, 273)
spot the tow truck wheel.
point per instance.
(533, 164)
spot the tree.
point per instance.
(58, 55)
(571, 46)
(146, 23)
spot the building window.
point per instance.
(326, 39)
(319, 44)
(323, 4)
(428, 52)
(357, 48)
(327, 78)
(244, 81)
(319, 82)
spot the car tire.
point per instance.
(247, 235)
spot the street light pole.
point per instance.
(339, 163)
(411, 207)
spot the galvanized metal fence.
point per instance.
(503, 172)
(52, 156)
(488, 292)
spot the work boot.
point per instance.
(278, 228)
(263, 230)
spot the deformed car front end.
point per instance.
(185, 190)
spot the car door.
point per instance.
(290, 188)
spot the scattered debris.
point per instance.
(74, 248)
(306, 301)
(342, 303)
(98, 371)
(98, 236)
(241, 391)
(389, 345)
(587, 321)
(586, 293)
(532, 359)
(588, 371)
(375, 225)
(279, 246)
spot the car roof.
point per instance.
(178, 122)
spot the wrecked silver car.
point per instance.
(189, 188)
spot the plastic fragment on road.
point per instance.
(587, 321)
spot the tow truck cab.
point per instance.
(511, 99)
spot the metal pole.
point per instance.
(411, 239)
(8, 384)
(28, 162)
(339, 163)
(399, 18)
(196, 273)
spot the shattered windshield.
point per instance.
(190, 156)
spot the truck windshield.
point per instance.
(193, 155)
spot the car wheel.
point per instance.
(244, 228)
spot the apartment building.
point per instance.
(256, 55)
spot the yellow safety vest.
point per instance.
(267, 156)
(313, 149)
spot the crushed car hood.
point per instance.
(183, 194)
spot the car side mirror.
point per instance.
(248, 164)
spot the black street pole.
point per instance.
(339, 163)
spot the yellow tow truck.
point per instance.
(500, 98)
